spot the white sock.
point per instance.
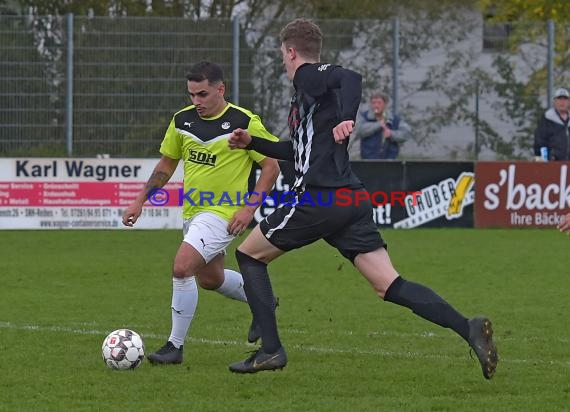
(232, 287)
(184, 302)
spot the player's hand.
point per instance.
(239, 139)
(131, 214)
(387, 133)
(240, 221)
(342, 131)
(564, 225)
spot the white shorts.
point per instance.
(208, 234)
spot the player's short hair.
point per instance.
(304, 36)
(205, 70)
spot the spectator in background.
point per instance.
(552, 135)
(379, 134)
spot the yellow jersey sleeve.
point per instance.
(257, 129)
(172, 143)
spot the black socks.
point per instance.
(423, 301)
(426, 303)
(257, 287)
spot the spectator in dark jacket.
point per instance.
(553, 131)
(379, 134)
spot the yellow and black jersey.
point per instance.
(215, 177)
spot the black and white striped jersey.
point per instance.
(324, 96)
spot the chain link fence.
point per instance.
(83, 86)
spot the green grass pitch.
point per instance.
(61, 292)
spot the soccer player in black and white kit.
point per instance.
(321, 120)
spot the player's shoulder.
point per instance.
(313, 72)
(185, 117)
(323, 67)
(185, 109)
(243, 110)
(312, 69)
(185, 113)
(312, 76)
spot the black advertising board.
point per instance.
(407, 194)
(385, 181)
(447, 194)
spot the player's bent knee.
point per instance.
(180, 271)
(207, 283)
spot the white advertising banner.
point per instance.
(74, 193)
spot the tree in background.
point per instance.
(511, 89)
(518, 87)
(359, 34)
(44, 21)
(438, 45)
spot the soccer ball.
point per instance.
(123, 349)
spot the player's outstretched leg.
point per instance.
(426, 303)
(378, 270)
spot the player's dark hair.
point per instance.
(304, 36)
(205, 71)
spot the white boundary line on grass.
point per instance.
(388, 333)
(302, 348)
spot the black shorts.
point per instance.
(332, 214)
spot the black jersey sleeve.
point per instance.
(277, 150)
(350, 85)
(317, 79)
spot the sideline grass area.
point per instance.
(63, 291)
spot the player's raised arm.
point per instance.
(241, 139)
(161, 174)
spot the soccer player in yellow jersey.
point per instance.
(214, 210)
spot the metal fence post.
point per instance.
(395, 64)
(476, 148)
(235, 62)
(69, 87)
(550, 62)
